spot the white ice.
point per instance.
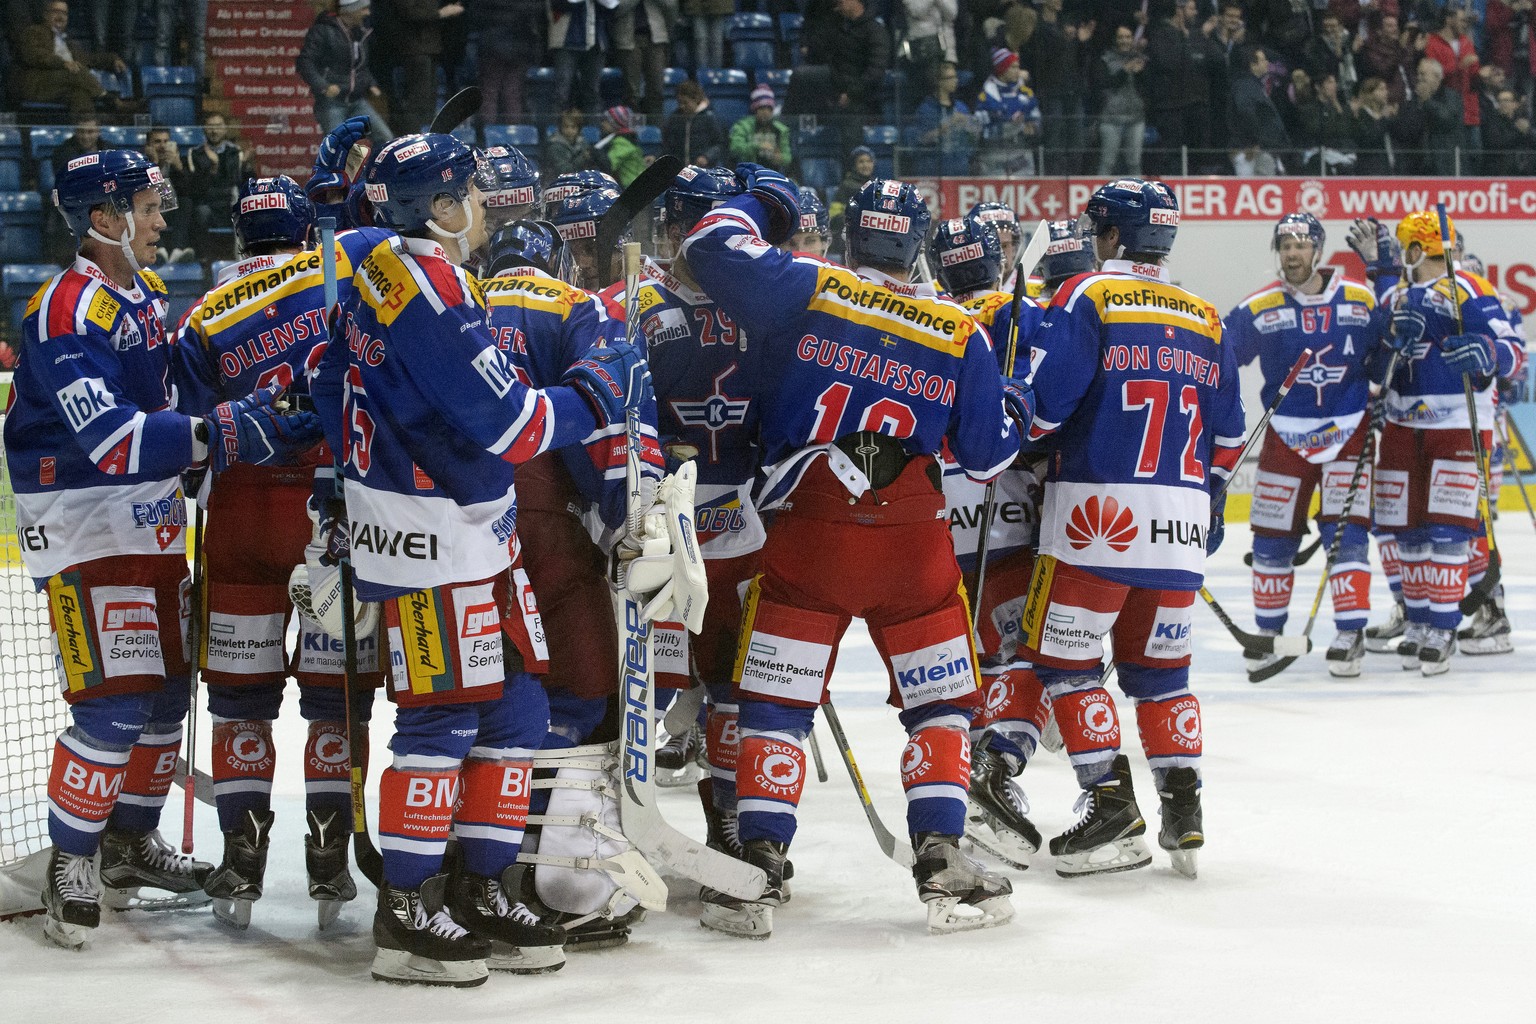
(1366, 862)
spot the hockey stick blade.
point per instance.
(1482, 591)
(633, 201)
(684, 711)
(461, 106)
(1253, 643)
(1270, 671)
(1301, 557)
(1035, 250)
(200, 779)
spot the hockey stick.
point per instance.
(899, 850)
(633, 201)
(821, 766)
(1027, 260)
(639, 815)
(684, 711)
(460, 107)
(1512, 461)
(369, 860)
(1485, 586)
(204, 781)
(195, 638)
(1299, 559)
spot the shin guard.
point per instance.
(493, 812)
(936, 774)
(83, 787)
(244, 764)
(1090, 728)
(769, 779)
(328, 767)
(415, 816)
(151, 770)
(1170, 732)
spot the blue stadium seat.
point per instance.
(44, 142)
(882, 139)
(671, 79)
(649, 136)
(790, 27)
(822, 141)
(10, 159)
(775, 78)
(22, 216)
(728, 90)
(185, 283)
(122, 137)
(817, 151)
(896, 94)
(752, 40)
(820, 172)
(539, 92)
(18, 283)
(117, 85)
(524, 136)
(610, 87)
(752, 55)
(171, 93)
(187, 136)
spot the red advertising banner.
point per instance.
(252, 45)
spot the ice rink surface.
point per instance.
(1364, 863)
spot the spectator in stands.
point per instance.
(567, 151)
(1505, 24)
(509, 41)
(1174, 85)
(860, 168)
(761, 138)
(641, 35)
(419, 45)
(1353, 13)
(1225, 32)
(943, 129)
(857, 55)
(930, 38)
(708, 17)
(1331, 52)
(175, 245)
(111, 22)
(1290, 97)
(1327, 138)
(49, 68)
(578, 54)
(692, 133)
(618, 148)
(1451, 47)
(1383, 54)
(86, 139)
(1122, 112)
(1257, 130)
(1057, 59)
(1509, 144)
(333, 61)
(214, 171)
(185, 22)
(1374, 116)
(1282, 26)
(1010, 118)
(1428, 129)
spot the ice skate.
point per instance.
(520, 942)
(1408, 646)
(1382, 639)
(134, 861)
(1489, 630)
(997, 818)
(236, 883)
(71, 899)
(1259, 664)
(960, 894)
(421, 944)
(722, 833)
(325, 861)
(1345, 654)
(749, 919)
(597, 932)
(1107, 836)
(1435, 651)
(1182, 832)
(677, 760)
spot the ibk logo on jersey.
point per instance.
(714, 413)
(1105, 520)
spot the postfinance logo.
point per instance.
(1105, 520)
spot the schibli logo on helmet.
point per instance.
(697, 190)
(415, 171)
(968, 254)
(813, 214)
(511, 180)
(578, 215)
(885, 224)
(574, 183)
(1068, 253)
(524, 243)
(999, 215)
(1145, 213)
(271, 211)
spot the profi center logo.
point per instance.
(1105, 520)
(781, 769)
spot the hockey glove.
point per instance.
(1372, 242)
(661, 564)
(778, 195)
(254, 430)
(315, 586)
(1470, 354)
(1216, 532)
(331, 161)
(612, 380)
(1019, 401)
(1407, 330)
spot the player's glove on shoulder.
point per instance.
(611, 379)
(254, 430)
(778, 195)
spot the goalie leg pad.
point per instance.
(936, 775)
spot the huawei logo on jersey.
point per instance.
(1101, 519)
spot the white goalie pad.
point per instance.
(664, 570)
(315, 590)
(584, 865)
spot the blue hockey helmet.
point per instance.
(111, 178)
(884, 225)
(1300, 225)
(511, 184)
(1145, 212)
(1001, 217)
(574, 183)
(966, 255)
(577, 216)
(697, 190)
(410, 172)
(1068, 252)
(1473, 264)
(526, 243)
(271, 211)
(813, 214)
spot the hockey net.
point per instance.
(31, 712)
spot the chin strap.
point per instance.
(125, 243)
(461, 237)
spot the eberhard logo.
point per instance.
(75, 650)
(1108, 521)
(420, 626)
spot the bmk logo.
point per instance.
(1105, 520)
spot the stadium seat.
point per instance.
(171, 93)
(185, 283)
(123, 137)
(539, 92)
(18, 283)
(728, 90)
(817, 149)
(524, 136)
(34, 112)
(610, 87)
(775, 78)
(44, 142)
(650, 139)
(21, 213)
(187, 136)
(790, 27)
(671, 79)
(896, 96)
(882, 139)
(10, 159)
(752, 40)
(820, 172)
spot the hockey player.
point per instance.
(1009, 233)
(95, 453)
(1316, 436)
(1428, 480)
(435, 418)
(814, 232)
(574, 183)
(577, 217)
(262, 327)
(1124, 354)
(510, 182)
(872, 374)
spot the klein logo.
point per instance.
(1107, 521)
(480, 619)
(263, 201)
(946, 668)
(1172, 631)
(885, 221)
(124, 615)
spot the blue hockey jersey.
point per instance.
(94, 449)
(1140, 407)
(1342, 327)
(845, 352)
(434, 417)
